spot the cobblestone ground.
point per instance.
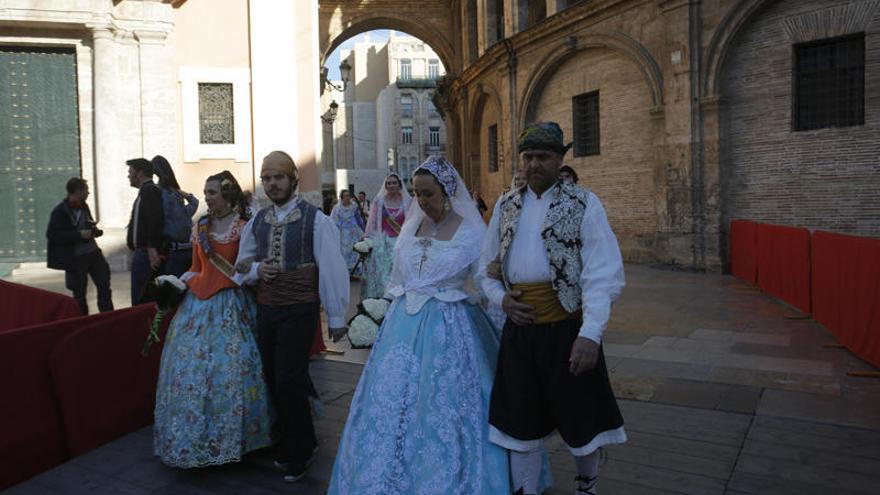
(724, 391)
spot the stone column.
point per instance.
(158, 95)
(110, 170)
(715, 241)
(285, 82)
(677, 239)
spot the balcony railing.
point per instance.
(416, 83)
(429, 148)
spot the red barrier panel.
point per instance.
(744, 250)
(846, 291)
(784, 264)
(31, 428)
(106, 388)
(23, 306)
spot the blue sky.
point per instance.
(333, 60)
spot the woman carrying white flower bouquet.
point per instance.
(387, 216)
(211, 401)
(418, 422)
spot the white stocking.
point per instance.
(588, 469)
(525, 468)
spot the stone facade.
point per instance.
(125, 82)
(695, 113)
(695, 99)
(820, 179)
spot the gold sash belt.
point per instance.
(541, 296)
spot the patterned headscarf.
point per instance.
(542, 136)
(443, 171)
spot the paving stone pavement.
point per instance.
(724, 391)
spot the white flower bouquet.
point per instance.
(168, 291)
(363, 248)
(364, 326)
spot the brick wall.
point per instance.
(622, 175)
(822, 179)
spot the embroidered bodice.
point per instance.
(205, 279)
(426, 268)
(390, 217)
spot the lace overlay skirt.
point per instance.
(418, 422)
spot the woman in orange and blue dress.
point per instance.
(211, 401)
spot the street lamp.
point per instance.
(344, 73)
(331, 114)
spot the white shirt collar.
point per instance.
(550, 192)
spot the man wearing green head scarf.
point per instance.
(552, 262)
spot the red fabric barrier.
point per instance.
(846, 291)
(23, 306)
(784, 264)
(106, 388)
(744, 250)
(31, 427)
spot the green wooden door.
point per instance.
(39, 144)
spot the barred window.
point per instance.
(829, 83)
(493, 148)
(585, 120)
(216, 118)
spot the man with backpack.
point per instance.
(179, 208)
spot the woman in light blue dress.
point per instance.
(347, 217)
(418, 422)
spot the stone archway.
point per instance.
(487, 111)
(431, 21)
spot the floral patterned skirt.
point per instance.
(211, 401)
(377, 268)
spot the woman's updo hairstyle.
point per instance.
(231, 191)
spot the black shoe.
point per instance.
(586, 485)
(295, 472)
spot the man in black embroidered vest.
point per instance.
(552, 262)
(291, 250)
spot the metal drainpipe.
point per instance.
(511, 75)
(695, 27)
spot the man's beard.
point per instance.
(285, 199)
